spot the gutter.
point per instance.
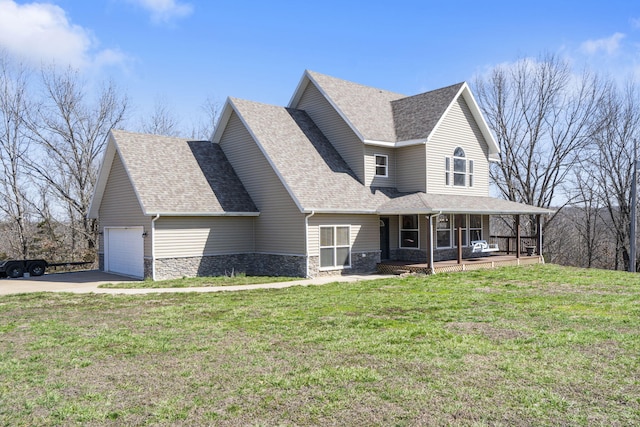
(306, 237)
(153, 246)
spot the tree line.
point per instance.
(567, 141)
(53, 130)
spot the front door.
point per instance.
(384, 239)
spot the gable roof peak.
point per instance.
(174, 176)
(415, 117)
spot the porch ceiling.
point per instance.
(423, 203)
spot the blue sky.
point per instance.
(183, 51)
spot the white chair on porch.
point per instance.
(481, 246)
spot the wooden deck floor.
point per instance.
(493, 261)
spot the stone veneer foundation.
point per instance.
(218, 265)
(280, 265)
(361, 262)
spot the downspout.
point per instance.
(306, 236)
(153, 246)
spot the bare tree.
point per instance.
(615, 134)
(540, 114)
(203, 130)
(162, 121)
(14, 148)
(70, 127)
(588, 223)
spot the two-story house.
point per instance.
(346, 176)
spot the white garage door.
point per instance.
(124, 251)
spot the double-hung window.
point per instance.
(382, 165)
(443, 231)
(335, 247)
(458, 169)
(475, 227)
(409, 232)
(447, 229)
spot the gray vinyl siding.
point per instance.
(458, 129)
(365, 231)
(370, 167)
(280, 227)
(120, 207)
(334, 128)
(411, 168)
(203, 236)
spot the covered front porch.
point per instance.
(447, 233)
(450, 266)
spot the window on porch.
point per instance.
(447, 228)
(443, 231)
(409, 232)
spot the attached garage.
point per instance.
(124, 251)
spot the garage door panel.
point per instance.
(125, 251)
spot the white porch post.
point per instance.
(433, 270)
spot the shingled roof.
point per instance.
(317, 177)
(180, 177)
(366, 108)
(423, 203)
(415, 117)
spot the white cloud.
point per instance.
(42, 33)
(610, 45)
(163, 11)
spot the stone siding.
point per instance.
(361, 262)
(148, 268)
(219, 265)
(278, 265)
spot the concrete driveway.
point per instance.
(88, 282)
(77, 281)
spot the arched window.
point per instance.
(459, 167)
(462, 169)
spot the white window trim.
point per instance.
(335, 246)
(400, 230)
(469, 228)
(386, 165)
(450, 233)
(450, 171)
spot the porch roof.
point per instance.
(423, 203)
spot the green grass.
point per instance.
(234, 280)
(541, 345)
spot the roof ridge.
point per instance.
(315, 73)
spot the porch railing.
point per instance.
(507, 244)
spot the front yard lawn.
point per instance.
(234, 280)
(541, 345)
